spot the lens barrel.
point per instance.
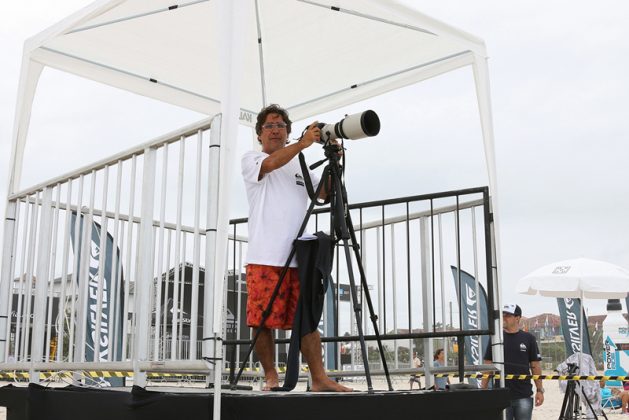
(352, 127)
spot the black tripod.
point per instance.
(342, 230)
(571, 407)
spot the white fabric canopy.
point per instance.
(577, 278)
(310, 56)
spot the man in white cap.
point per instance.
(522, 357)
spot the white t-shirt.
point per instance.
(277, 206)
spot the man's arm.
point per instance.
(536, 369)
(284, 155)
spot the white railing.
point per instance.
(139, 297)
(124, 301)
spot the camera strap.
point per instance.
(308, 181)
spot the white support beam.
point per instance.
(427, 291)
(481, 78)
(144, 279)
(6, 275)
(41, 282)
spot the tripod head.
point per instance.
(331, 150)
(331, 153)
(573, 368)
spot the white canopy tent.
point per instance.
(235, 56)
(336, 53)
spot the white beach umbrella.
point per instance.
(577, 278)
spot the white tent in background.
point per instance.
(577, 278)
(235, 56)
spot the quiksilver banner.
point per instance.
(473, 304)
(109, 328)
(570, 313)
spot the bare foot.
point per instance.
(328, 385)
(272, 381)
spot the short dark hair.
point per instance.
(272, 109)
(435, 356)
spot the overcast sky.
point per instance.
(560, 94)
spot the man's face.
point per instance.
(510, 322)
(273, 139)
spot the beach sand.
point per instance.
(553, 399)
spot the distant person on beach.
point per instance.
(277, 206)
(521, 357)
(621, 395)
(417, 363)
(438, 360)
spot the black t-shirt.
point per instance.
(520, 350)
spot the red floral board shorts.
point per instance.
(261, 281)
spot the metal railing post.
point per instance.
(427, 291)
(211, 349)
(6, 276)
(41, 282)
(144, 279)
(196, 257)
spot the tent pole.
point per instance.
(230, 59)
(481, 79)
(30, 73)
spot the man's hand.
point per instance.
(312, 134)
(536, 369)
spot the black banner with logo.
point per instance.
(570, 313)
(474, 308)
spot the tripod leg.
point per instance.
(365, 288)
(588, 403)
(357, 314)
(338, 205)
(566, 405)
(344, 229)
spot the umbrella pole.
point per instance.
(581, 332)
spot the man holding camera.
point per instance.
(278, 202)
(520, 353)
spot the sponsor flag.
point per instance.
(474, 308)
(109, 279)
(570, 312)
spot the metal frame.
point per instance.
(431, 249)
(156, 244)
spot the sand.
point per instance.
(553, 399)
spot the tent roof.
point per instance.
(308, 56)
(225, 56)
